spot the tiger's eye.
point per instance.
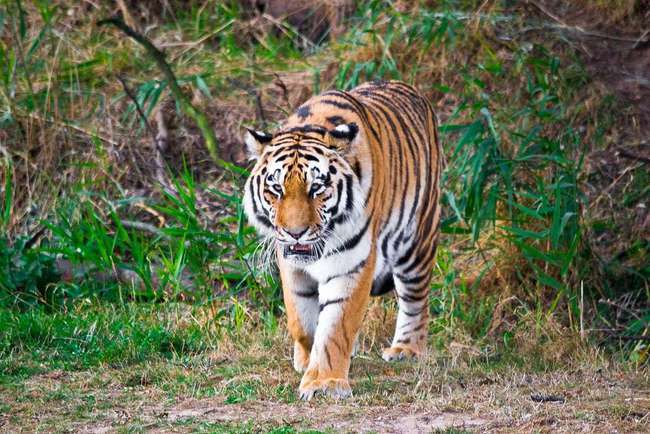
(315, 189)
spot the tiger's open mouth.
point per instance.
(302, 250)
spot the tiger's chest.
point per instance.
(380, 246)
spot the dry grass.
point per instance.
(629, 15)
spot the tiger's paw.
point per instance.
(300, 358)
(337, 388)
(400, 352)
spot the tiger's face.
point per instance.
(299, 190)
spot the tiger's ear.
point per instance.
(255, 142)
(342, 136)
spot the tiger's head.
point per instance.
(302, 187)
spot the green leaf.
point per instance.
(203, 87)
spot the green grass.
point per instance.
(97, 334)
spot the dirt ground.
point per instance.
(258, 395)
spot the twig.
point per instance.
(283, 87)
(260, 109)
(133, 98)
(641, 39)
(142, 226)
(537, 397)
(160, 217)
(160, 146)
(76, 128)
(582, 310)
(71, 272)
(578, 29)
(190, 44)
(623, 308)
(631, 338)
(287, 30)
(161, 137)
(625, 154)
(185, 104)
(130, 21)
(34, 238)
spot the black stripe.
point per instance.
(411, 298)
(336, 120)
(418, 328)
(410, 280)
(408, 324)
(309, 157)
(327, 303)
(384, 243)
(307, 294)
(357, 170)
(412, 314)
(309, 128)
(252, 193)
(348, 192)
(338, 104)
(416, 289)
(406, 255)
(315, 147)
(264, 220)
(303, 112)
(339, 191)
(353, 270)
(422, 257)
(398, 240)
(352, 242)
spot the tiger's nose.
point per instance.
(296, 233)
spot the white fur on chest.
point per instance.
(338, 263)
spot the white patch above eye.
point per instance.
(343, 128)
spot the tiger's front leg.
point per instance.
(300, 293)
(342, 304)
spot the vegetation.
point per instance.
(129, 277)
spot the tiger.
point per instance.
(348, 190)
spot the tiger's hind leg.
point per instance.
(412, 324)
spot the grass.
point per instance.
(119, 293)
